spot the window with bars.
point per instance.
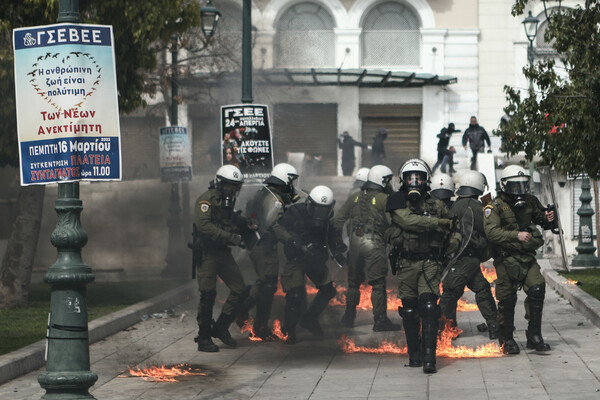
(305, 37)
(390, 37)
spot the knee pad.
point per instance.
(207, 298)
(428, 307)
(537, 292)
(268, 287)
(409, 310)
(509, 302)
(295, 298)
(327, 290)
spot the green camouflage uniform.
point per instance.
(467, 271)
(367, 257)
(269, 203)
(416, 231)
(216, 228)
(515, 261)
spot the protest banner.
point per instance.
(246, 140)
(175, 154)
(66, 100)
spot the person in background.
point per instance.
(444, 136)
(378, 148)
(475, 136)
(347, 144)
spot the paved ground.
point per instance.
(318, 369)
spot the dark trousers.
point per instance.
(347, 167)
(474, 158)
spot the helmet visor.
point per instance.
(517, 188)
(414, 178)
(318, 211)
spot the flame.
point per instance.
(570, 282)
(444, 347)
(248, 327)
(386, 347)
(162, 373)
(489, 274)
(462, 305)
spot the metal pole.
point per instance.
(247, 52)
(68, 374)
(585, 248)
(174, 258)
(530, 60)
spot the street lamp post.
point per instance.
(247, 52)
(175, 251)
(68, 374)
(531, 26)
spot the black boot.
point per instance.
(220, 330)
(310, 319)
(535, 341)
(383, 324)
(295, 303)
(204, 318)
(429, 311)
(493, 330)
(410, 320)
(245, 306)
(506, 307)
(263, 311)
(349, 316)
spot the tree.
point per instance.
(142, 29)
(559, 119)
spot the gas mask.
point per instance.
(388, 188)
(517, 189)
(415, 182)
(229, 192)
(290, 190)
(319, 213)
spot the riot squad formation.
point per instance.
(425, 238)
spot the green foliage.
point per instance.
(25, 325)
(561, 122)
(589, 278)
(141, 30)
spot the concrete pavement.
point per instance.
(318, 369)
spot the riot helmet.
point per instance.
(361, 177)
(514, 181)
(229, 180)
(415, 176)
(285, 175)
(442, 186)
(472, 183)
(379, 177)
(320, 203)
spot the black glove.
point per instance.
(340, 259)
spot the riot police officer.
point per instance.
(360, 178)
(467, 271)
(219, 227)
(267, 207)
(510, 224)
(309, 237)
(367, 256)
(422, 233)
(442, 188)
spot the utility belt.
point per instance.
(418, 256)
